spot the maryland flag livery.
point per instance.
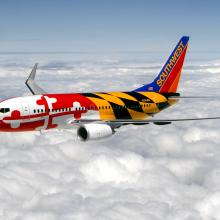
(96, 115)
(127, 105)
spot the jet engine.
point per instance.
(94, 131)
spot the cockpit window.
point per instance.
(4, 110)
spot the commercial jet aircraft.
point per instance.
(96, 115)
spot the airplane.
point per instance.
(97, 115)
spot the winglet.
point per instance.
(33, 72)
(32, 85)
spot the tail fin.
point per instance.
(168, 78)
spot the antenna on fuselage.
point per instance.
(32, 85)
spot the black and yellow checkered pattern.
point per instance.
(127, 105)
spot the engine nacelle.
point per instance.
(94, 131)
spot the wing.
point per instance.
(32, 85)
(193, 97)
(165, 121)
(120, 122)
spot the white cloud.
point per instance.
(142, 172)
(209, 206)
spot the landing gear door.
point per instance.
(25, 110)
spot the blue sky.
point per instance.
(101, 25)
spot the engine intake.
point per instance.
(94, 131)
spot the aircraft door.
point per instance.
(25, 109)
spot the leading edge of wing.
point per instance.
(32, 85)
(193, 97)
(164, 121)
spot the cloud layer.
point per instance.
(142, 172)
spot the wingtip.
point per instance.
(33, 72)
(31, 84)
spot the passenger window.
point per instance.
(4, 110)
